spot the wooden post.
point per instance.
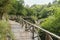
(48, 37)
(38, 35)
(22, 24)
(26, 27)
(58, 39)
(33, 33)
(39, 38)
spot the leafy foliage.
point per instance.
(5, 7)
(52, 23)
(17, 8)
(4, 30)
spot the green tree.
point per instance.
(52, 23)
(17, 8)
(5, 7)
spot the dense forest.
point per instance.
(46, 16)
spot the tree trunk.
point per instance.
(1, 15)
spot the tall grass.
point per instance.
(5, 29)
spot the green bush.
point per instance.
(4, 30)
(52, 23)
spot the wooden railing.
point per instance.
(34, 29)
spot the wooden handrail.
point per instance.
(52, 34)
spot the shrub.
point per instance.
(4, 30)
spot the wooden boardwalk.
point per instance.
(19, 32)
